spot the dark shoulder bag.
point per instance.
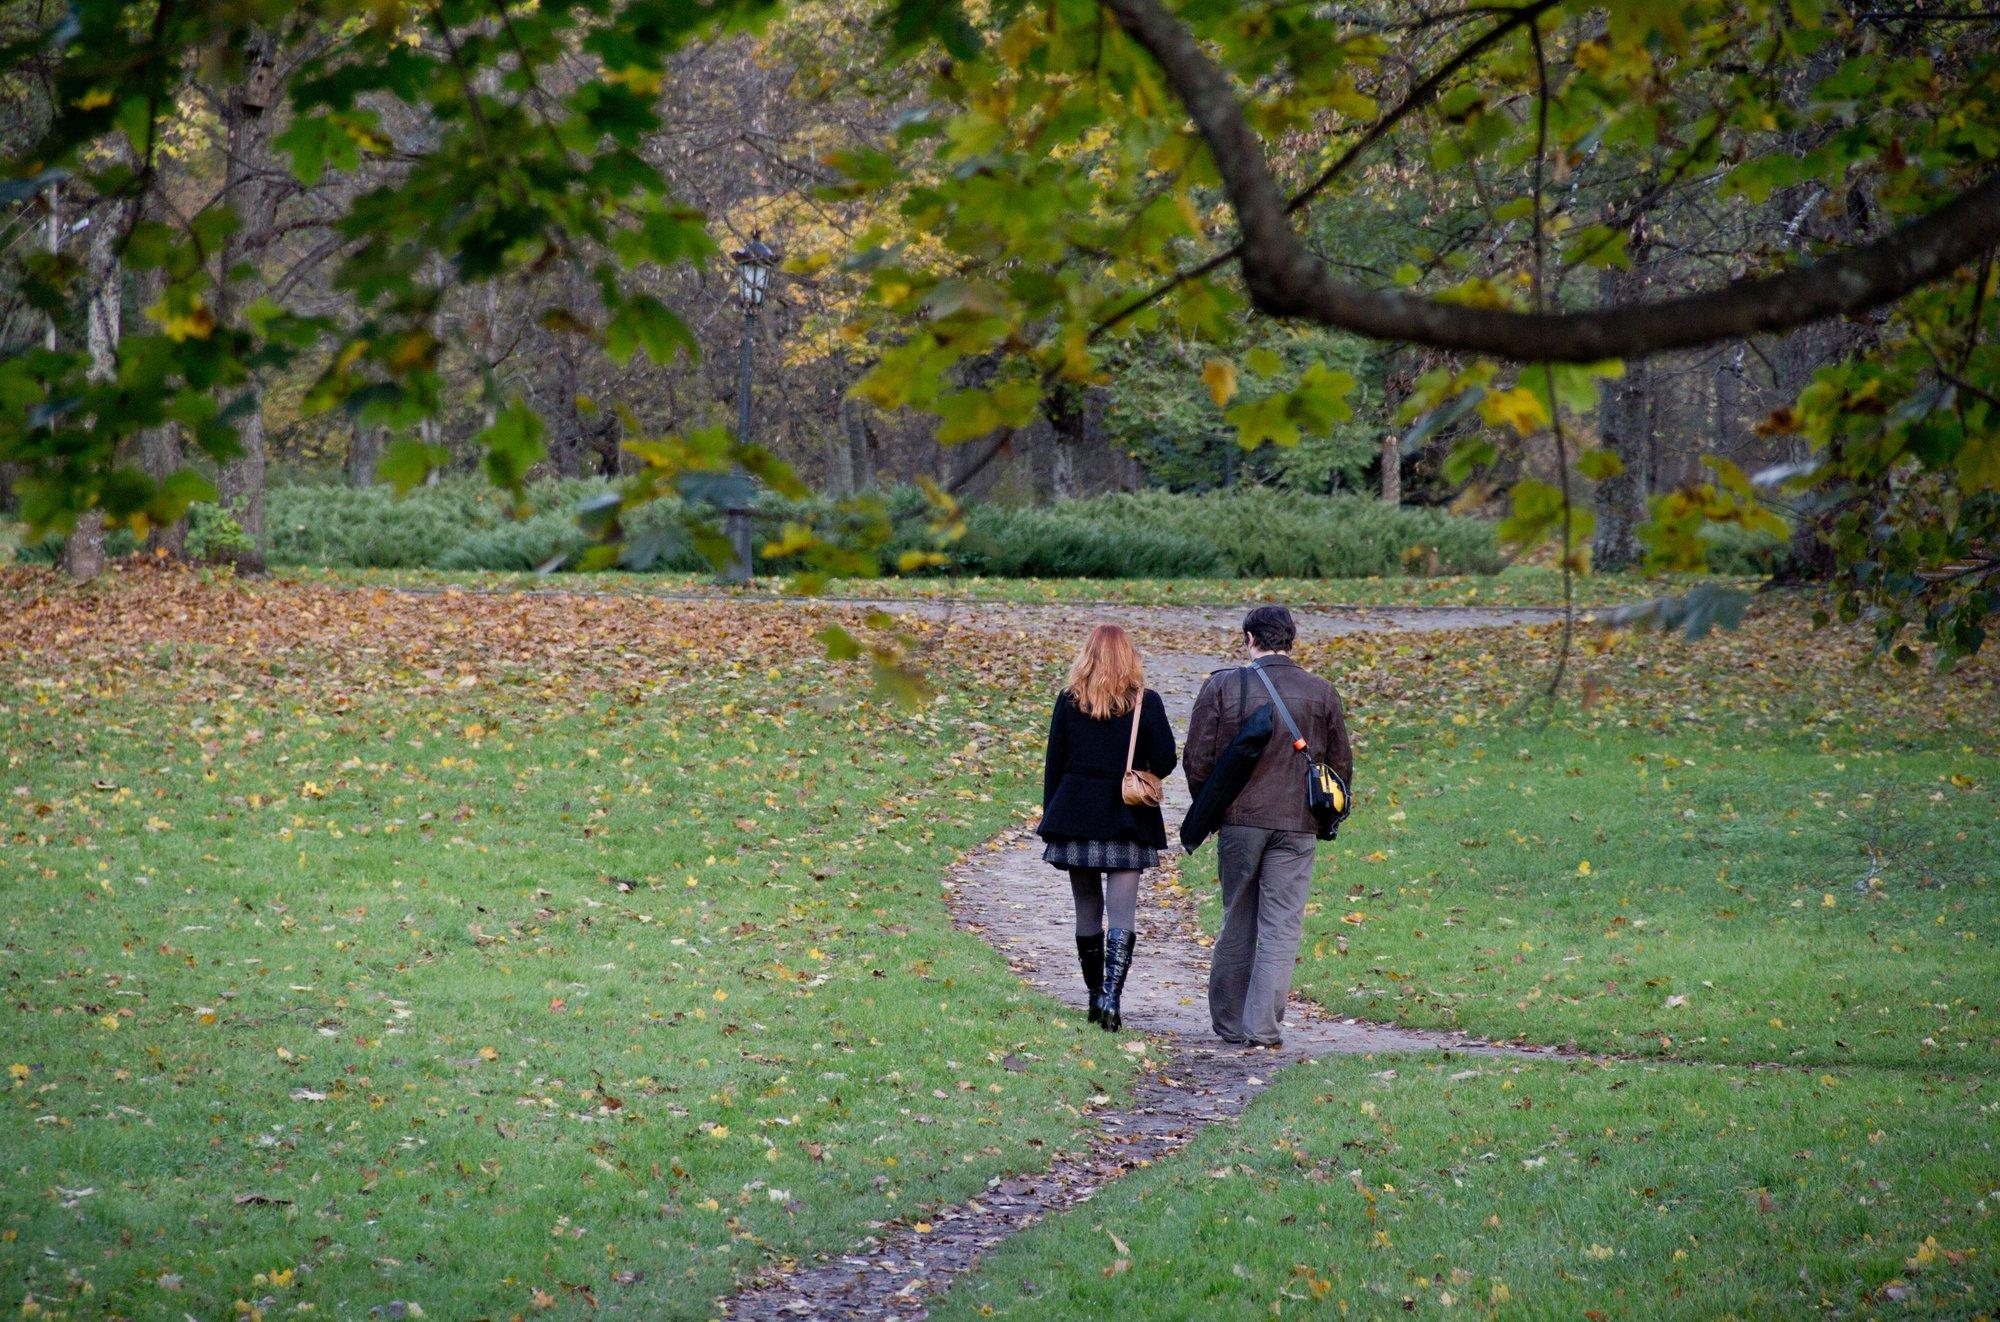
(1326, 793)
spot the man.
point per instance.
(1268, 838)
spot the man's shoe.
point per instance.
(1090, 954)
(1118, 944)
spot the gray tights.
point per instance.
(1095, 890)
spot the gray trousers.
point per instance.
(1266, 876)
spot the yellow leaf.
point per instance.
(1517, 408)
(1219, 375)
(18, 1071)
(1583, 868)
(109, 1021)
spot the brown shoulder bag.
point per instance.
(1141, 789)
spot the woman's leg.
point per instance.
(1087, 885)
(1121, 899)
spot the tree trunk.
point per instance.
(241, 483)
(160, 453)
(364, 451)
(1809, 559)
(1076, 417)
(83, 553)
(1621, 500)
(860, 444)
(1392, 469)
(247, 188)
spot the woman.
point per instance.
(1102, 841)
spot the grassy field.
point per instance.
(1758, 848)
(487, 959)
(1396, 1185)
(504, 953)
(1752, 848)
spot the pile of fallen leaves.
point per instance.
(332, 644)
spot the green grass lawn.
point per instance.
(1750, 849)
(1713, 894)
(514, 953)
(362, 952)
(1384, 1186)
(1744, 849)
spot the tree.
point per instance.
(1075, 175)
(1083, 141)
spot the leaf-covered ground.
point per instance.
(496, 953)
(488, 955)
(1518, 585)
(1758, 848)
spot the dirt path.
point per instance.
(1315, 623)
(1021, 906)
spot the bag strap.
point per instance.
(1132, 745)
(1298, 740)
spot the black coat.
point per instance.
(1081, 796)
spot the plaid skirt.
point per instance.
(1102, 855)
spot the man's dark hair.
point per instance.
(1271, 628)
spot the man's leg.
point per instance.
(1237, 851)
(1283, 882)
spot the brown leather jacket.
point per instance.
(1275, 798)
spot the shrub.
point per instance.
(1252, 532)
(213, 535)
(1056, 543)
(118, 541)
(1741, 553)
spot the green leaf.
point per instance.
(406, 463)
(1262, 421)
(1599, 465)
(643, 323)
(513, 445)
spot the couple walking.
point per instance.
(1262, 737)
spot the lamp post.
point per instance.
(754, 263)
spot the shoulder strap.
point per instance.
(1132, 744)
(1298, 740)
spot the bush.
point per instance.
(1251, 533)
(1055, 543)
(214, 536)
(1741, 553)
(118, 542)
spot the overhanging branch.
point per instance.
(1285, 280)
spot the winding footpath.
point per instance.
(1007, 896)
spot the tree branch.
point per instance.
(1285, 280)
(1416, 97)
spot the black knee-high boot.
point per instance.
(1090, 954)
(1118, 944)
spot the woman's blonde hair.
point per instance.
(1107, 676)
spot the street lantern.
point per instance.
(754, 264)
(753, 271)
